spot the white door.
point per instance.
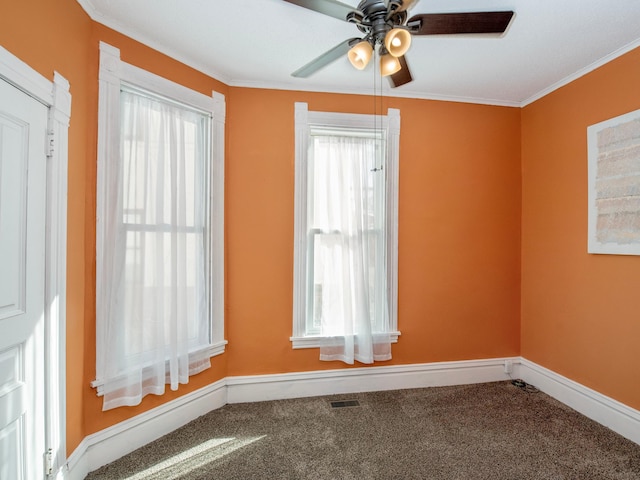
(23, 123)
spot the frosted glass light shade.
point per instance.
(389, 65)
(360, 54)
(397, 41)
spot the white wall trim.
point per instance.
(97, 16)
(116, 441)
(109, 444)
(306, 86)
(308, 123)
(114, 74)
(316, 341)
(22, 76)
(301, 118)
(56, 267)
(393, 179)
(608, 412)
(581, 73)
(112, 443)
(366, 379)
(56, 96)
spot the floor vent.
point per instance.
(345, 403)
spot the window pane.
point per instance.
(156, 291)
(164, 211)
(346, 211)
(163, 148)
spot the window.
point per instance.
(159, 270)
(345, 226)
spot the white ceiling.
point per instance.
(258, 43)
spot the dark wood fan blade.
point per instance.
(326, 58)
(454, 23)
(332, 8)
(402, 76)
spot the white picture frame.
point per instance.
(614, 185)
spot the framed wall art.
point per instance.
(614, 185)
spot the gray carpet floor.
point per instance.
(487, 431)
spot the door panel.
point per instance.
(23, 123)
(14, 133)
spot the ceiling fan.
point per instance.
(386, 26)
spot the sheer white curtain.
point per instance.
(347, 234)
(152, 296)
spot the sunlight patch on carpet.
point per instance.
(189, 460)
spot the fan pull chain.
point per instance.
(377, 138)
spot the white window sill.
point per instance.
(314, 341)
(211, 350)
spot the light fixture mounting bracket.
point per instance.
(375, 18)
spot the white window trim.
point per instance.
(304, 119)
(114, 72)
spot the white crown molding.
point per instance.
(386, 92)
(97, 16)
(581, 73)
(608, 412)
(303, 86)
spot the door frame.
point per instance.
(56, 96)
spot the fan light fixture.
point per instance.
(388, 63)
(360, 54)
(397, 41)
(393, 45)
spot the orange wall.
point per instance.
(459, 220)
(579, 311)
(459, 229)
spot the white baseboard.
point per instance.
(114, 442)
(257, 388)
(608, 412)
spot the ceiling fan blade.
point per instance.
(402, 76)
(332, 8)
(326, 58)
(453, 23)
